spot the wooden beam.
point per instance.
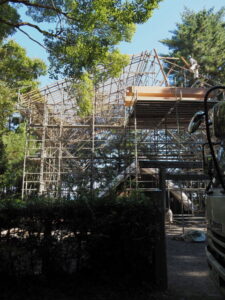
(165, 91)
(147, 93)
(161, 68)
(185, 62)
(168, 58)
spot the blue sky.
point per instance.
(147, 35)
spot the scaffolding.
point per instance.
(138, 118)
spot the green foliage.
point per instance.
(201, 35)
(14, 146)
(83, 90)
(16, 68)
(83, 33)
(8, 13)
(6, 104)
(111, 65)
(17, 71)
(14, 142)
(73, 58)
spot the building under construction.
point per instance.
(135, 138)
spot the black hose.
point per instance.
(219, 173)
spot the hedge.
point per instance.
(110, 238)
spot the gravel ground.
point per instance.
(188, 276)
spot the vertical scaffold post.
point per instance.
(42, 183)
(26, 149)
(59, 192)
(93, 144)
(135, 152)
(24, 189)
(182, 209)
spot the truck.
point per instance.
(214, 165)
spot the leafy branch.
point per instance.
(37, 5)
(20, 24)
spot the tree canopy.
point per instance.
(201, 35)
(17, 72)
(16, 68)
(81, 34)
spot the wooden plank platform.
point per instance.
(155, 93)
(155, 106)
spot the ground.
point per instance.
(188, 276)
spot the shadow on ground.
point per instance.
(188, 276)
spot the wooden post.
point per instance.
(161, 68)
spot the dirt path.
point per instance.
(188, 276)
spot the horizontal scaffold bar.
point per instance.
(78, 126)
(166, 164)
(183, 177)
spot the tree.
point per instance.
(201, 35)
(8, 13)
(17, 71)
(14, 145)
(82, 34)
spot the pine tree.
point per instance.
(201, 35)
